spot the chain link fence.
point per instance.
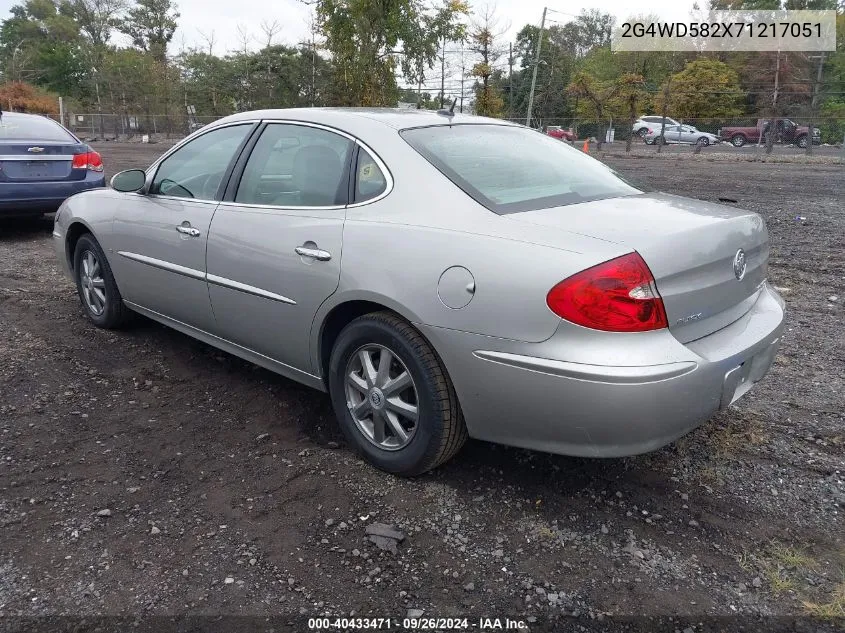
(729, 133)
(93, 126)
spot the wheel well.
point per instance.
(337, 319)
(74, 232)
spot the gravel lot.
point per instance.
(143, 473)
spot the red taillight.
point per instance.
(88, 160)
(616, 296)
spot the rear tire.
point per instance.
(738, 140)
(436, 430)
(96, 286)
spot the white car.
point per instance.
(644, 123)
(680, 134)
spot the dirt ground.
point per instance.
(143, 473)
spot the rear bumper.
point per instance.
(653, 391)
(23, 198)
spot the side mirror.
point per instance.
(129, 180)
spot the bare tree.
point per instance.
(270, 30)
(210, 39)
(245, 39)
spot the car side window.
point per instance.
(370, 181)
(196, 169)
(296, 166)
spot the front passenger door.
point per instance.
(160, 236)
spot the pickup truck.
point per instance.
(785, 131)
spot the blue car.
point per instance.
(41, 164)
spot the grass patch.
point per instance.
(791, 557)
(832, 609)
(778, 581)
(734, 437)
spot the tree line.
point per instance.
(118, 56)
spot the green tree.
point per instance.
(369, 41)
(97, 20)
(41, 43)
(484, 38)
(151, 24)
(704, 89)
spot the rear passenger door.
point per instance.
(274, 245)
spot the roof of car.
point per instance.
(397, 118)
(6, 114)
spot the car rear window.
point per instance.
(509, 169)
(32, 128)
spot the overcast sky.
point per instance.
(222, 17)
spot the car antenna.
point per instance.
(451, 111)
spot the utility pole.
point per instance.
(443, 74)
(462, 79)
(814, 103)
(536, 64)
(510, 88)
(312, 48)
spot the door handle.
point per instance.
(314, 253)
(188, 230)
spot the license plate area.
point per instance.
(35, 169)
(741, 378)
(24, 170)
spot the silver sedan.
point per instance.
(684, 134)
(440, 276)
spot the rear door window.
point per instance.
(297, 166)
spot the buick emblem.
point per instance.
(740, 265)
(376, 398)
(35, 150)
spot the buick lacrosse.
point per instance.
(440, 276)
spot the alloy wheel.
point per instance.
(382, 397)
(92, 283)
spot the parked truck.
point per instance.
(785, 131)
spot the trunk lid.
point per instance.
(32, 161)
(689, 245)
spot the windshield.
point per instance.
(509, 169)
(16, 127)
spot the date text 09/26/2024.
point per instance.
(417, 624)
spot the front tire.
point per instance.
(96, 286)
(393, 399)
(802, 141)
(704, 141)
